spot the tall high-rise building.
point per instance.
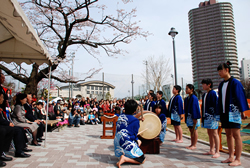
(213, 41)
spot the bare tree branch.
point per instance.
(75, 81)
(14, 75)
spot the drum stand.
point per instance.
(151, 146)
(113, 121)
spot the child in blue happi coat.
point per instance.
(160, 101)
(176, 111)
(126, 142)
(210, 116)
(192, 114)
(163, 119)
(232, 104)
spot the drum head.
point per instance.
(153, 125)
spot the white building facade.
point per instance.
(245, 70)
(91, 89)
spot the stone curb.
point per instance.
(207, 143)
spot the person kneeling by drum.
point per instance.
(158, 111)
(126, 142)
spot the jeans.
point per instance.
(75, 120)
(93, 121)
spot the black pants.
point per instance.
(6, 135)
(40, 130)
(19, 139)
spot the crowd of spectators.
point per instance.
(19, 116)
(25, 114)
(84, 111)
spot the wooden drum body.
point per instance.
(150, 128)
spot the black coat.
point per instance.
(29, 114)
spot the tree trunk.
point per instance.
(31, 85)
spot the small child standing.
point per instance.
(192, 115)
(210, 116)
(160, 101)
(176, 111)
(163, 119)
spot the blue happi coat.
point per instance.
(235, 103)
(210, 116)
(163, 105)
(146, 104)
(126, 136)
(176, 108)
(192, 110)
(152, 105)
(163, 126)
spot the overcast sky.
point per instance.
(158, 17)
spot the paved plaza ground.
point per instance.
(83, 148)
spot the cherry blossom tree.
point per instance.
(64, 25)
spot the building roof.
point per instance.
(93, 82)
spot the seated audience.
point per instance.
(51, 113)
(20, 120)
(59, 116)
(92, 118)
(96, 116)
(74, 118)
(88, 109)
(82, 121)
(31, 115)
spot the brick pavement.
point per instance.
(82, 147)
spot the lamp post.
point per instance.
(173, 33)
(132, 87)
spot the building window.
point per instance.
(88, 92)
(92, 87)
(100, 93)
(96, 88)
(92, 92)
(100, 88)
(104, 88)
(96, 92)
(108, 88)
(88, 87)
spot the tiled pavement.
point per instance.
(83, 148)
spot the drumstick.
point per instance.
(142, 131)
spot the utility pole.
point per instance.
(143, 89)
(132, 87)
(73, 56)
(103, 85)
(139, 92)
(146, 63)
(182, 88)
(69, 86)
